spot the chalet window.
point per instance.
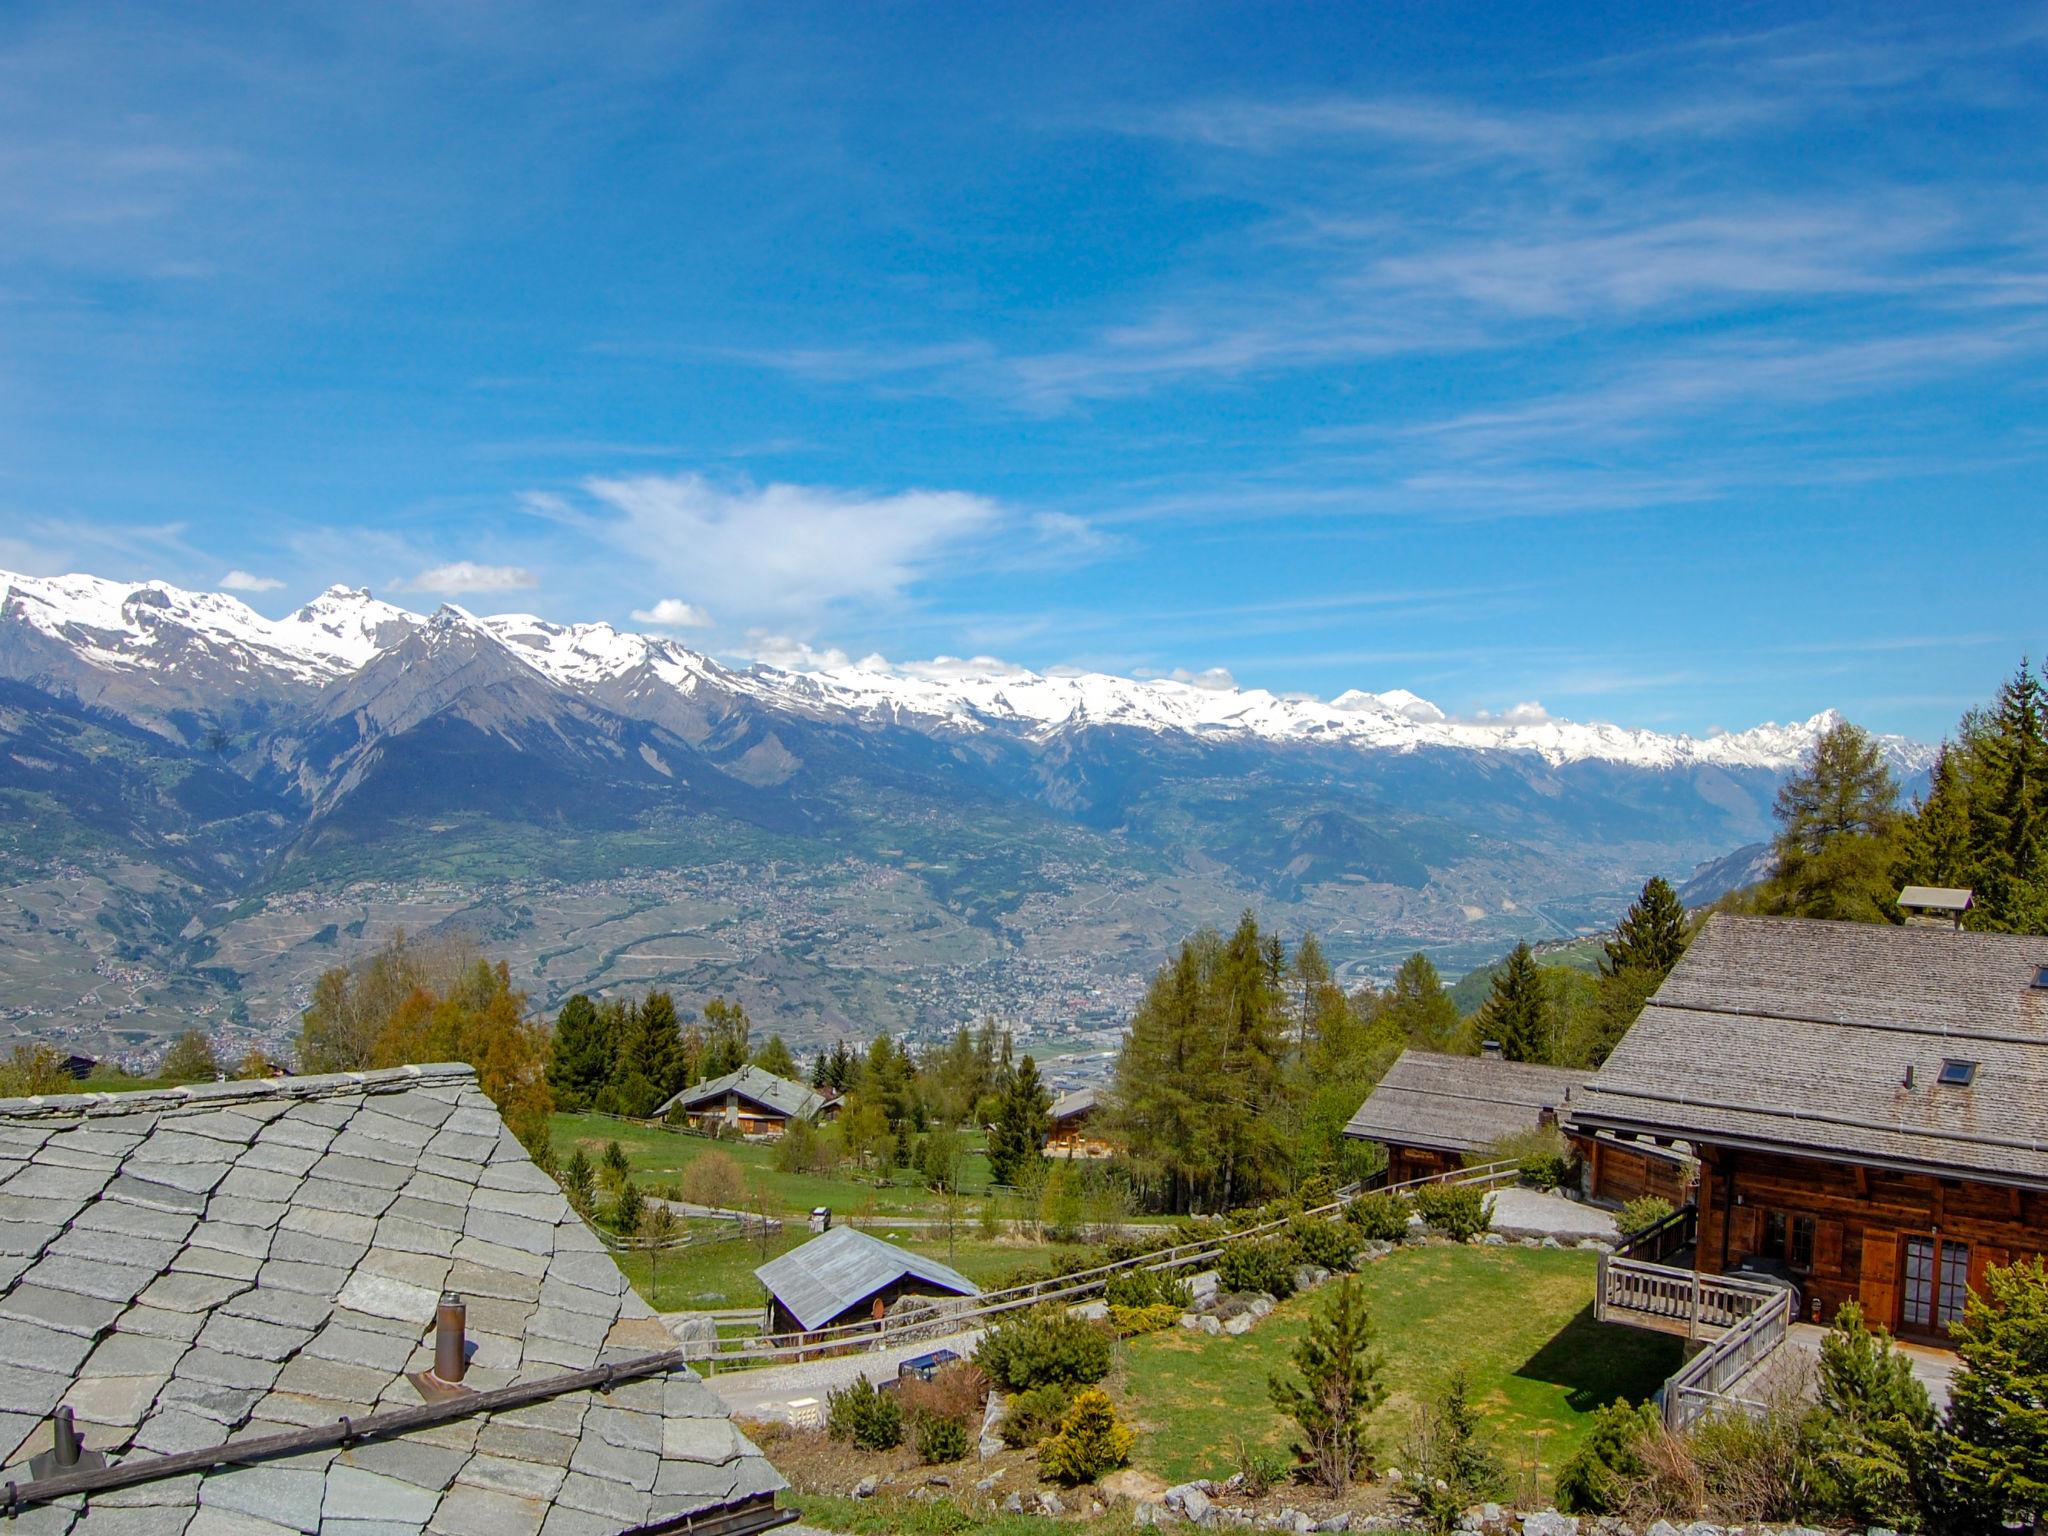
(1937, 1283)
(1958, 1074)
(2041, 977)
(1774, 1234)
(1801, 1256)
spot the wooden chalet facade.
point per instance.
(1076, 1126)
(748, 1102)
(1869, 1105)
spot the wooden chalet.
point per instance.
(750, 1102)
(1869, 1105)
(1435, 1113)
(1077, 1130)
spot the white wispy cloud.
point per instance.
(673, 613)
(466, 576)
(239, 580)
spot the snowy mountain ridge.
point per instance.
(152, 626)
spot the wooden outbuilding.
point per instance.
(1869, 1105)
(845, 1277)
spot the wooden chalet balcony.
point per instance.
(1650, 1282)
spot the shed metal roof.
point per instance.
(796, 1100)
(202, 1265)
(1460, 1104)
(1936, 898)
(1826, 1039)
(844, 1267)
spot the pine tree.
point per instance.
(1995, 1443)
(774, 1057)
(580, 1063)
(1514, 1014)
(1837, 824)
(1023, 1121)
(1452, 1465)
(1651, 935)
(1336, 1388)
(1873, 1428)
(1420, 1007)
(1937, 845)
(2010, 809)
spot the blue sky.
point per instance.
(1682, 366)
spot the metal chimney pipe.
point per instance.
(68, 1443)
(449, 1358)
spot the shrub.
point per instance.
(1752, 1468)
(716, 1180)
(1088, 1443)
(627, 1209)
(1597, 1478)
(612, 1165)
(1337, 1389)
(1541, 1155)
(1126, 1321)
(958, 1391)
(1329, 1244)
(1266, 1264)
(1259, 1467)
(1379, 1217)
(1451, 1464)
(863, 1414)
(1456, 1210)
(1147, 1288)
(1641, 1214)
(1030, 1416)
(939, 1438)
(1046, 1344)
(803, 1149)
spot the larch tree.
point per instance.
(1836, 845)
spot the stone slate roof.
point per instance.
(1079, 1102)
(842, 1268)
(1460, 1103)
(796, 1100)
(1797, 1034)
(189, 1267)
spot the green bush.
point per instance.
(863, 1414)
(1329, 1244)
(1259, 1467)
(1147, 1288)
(1641, 1214)
(1048, 1344)
(1030, 1416)
(1597, 1477)
(939, 1438)
(1454, 1464)
(1545, 1170)
(1456, 1210)
(1088, 1443)
(1541, 1155)
(1266, 1264)
(1379, 1217)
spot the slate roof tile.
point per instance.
(286, 1297)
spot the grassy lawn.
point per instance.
(714, 1276)
(1518, 1320)
(659, 1156)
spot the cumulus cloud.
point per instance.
(239, 580)
(673, 613)
(1528, 712)
(1215, 679)
(461, 576)
(787, 549)
(786, 653)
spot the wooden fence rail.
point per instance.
(1705, 1382)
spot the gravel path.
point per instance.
(1521, 1212)
(765, 1393)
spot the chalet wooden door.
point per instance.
(1935, 1284)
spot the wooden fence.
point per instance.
(1704, 1382)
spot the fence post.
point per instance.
(1693, 1327)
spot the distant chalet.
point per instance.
(213, 1265)
(1436, 1113)
(749, 1102)
(1869, 1104)
(1076, 1126)
(845, 1276)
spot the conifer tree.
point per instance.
(1023, 1121)
(1937, 845)
(1420, 1007)
(581, 1061)
(1650, 936)
(2010, 808)
(774, 1057)
(1873, 1429)
(1837, 819)
(1336, 1388)
(1995, 1442)
(1514, 1013)
(726, 1028)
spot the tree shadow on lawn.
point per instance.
(1598, 1362)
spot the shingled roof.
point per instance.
(799, 1101)
(1460, 1103)
(1828, 1040)
(236, 1260)
(842, 1268)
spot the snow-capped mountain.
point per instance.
(155, 628)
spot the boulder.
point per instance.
(1146, 1513)
(695, 1331)
(1014, 1504)
(1308, 1276)
(1661, 1528)
(1493, 1239)
(1243, 1323)
(1548, 1522)
(1050, 1505)
(991, 1443)
(1092, 1311)
(1338, 1522)
(987, 1484)
(1187, 1499)
(1211, 1326)
(865, 1488)
(1204, 1287)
